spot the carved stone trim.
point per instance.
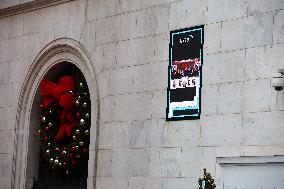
(60, 50)
(29, 6)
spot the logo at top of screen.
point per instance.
(186, 39)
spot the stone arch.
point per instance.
(59, 50)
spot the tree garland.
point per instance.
(207, 182)
(64, 147)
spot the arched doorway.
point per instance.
(25, 158)
(62, 132)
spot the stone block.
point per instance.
(261, 6)
(146, 134)
(129, 30)
(275, 150)
(209, 99)
(16, 26)
(152, 21)
(170, 158)
(125, 163)
(228, 151)
(150, 3)
(104, 163)
(277, 56)
(182, 134)
(224, 67)
(114, 135)
(263, 128)
(4, 29)
(221, 130)
(61, 25)
(8, 118)
(18, 71)
(278, 27)
(138, 163)
(233, 34)
(106, 110)
(6, 165)
(258, 63)
(4, 69)
(156, 48)
(119, 162)
(76, 19)
(5, 91)
(155, 164)
(31, 22)
(145, 183)
(111, 183)
(209, 160)
(104, 30)
(187, 13)
(220, 10)
(259, 30)
(159, 105)
(230, 98)
(212, 42)
(127, 107)
(7, 139)
(5, 182)
(180, 183)
(46, 19)
(190, 161)
(257, 95)
(129, 5)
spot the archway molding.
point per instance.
(59, 50)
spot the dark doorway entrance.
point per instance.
(69, 170)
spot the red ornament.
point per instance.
(73, 148)
(78, 115)
(46, 139)
(41, 106)
(57, 149)
(64, 163)
(46, 128)
(70, 155)
(64, 148)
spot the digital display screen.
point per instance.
(184, 80)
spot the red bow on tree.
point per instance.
(63, 94)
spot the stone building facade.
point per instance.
(121, 46)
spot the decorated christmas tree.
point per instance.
(207, 182)
(65, 123)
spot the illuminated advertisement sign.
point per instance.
(184, 81)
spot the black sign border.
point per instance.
(185, 117)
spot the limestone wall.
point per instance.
(242, 115)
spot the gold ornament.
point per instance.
(51, 160)
(48, 144)
(77, 147)
(56, 161)
(81, 143)
(49, 124)
(82, 122)
(79, 97)
(77, 102)
(87, 132)
(84, 104)
(60, 164)
(67, 172)
(43, 119)
(87, 116)
(63, 152)
(74, 137)
(81, 84)
(39, 131)
(47, 151)
(50, 112)
(77, 131)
